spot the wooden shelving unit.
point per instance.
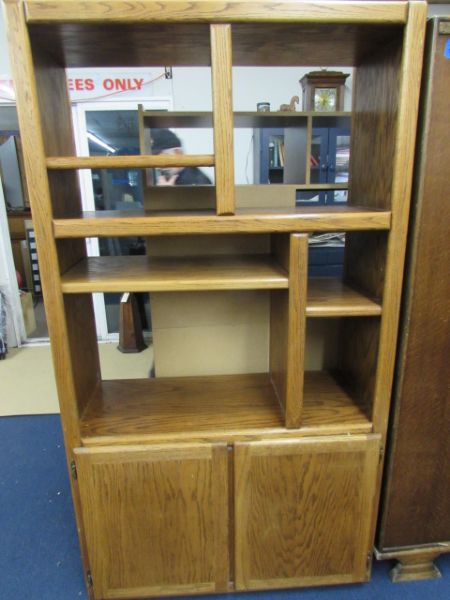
(175, 478)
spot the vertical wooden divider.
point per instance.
(288, 326)
(221, 64)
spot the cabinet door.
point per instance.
(304, 511)
(156, 519)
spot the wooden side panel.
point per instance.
(288, 326)
(365, 261)
(304, 511)
(73, 354)
(385, 104)
(156, 519)
(374, 127)
(221, 62)
(416, 500)
(411, 71)
(374, 121)
(357, 359)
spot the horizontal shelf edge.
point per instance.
(130, 162)
(98, 225)
(38, 11)
(174, 274)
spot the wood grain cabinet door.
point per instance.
(156, 518)
(304, 510)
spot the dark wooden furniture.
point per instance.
(415, 518)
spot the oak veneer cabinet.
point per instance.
(415, 516)
(238, 481)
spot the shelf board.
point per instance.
(249, 119)
(138, 11)
(223, 407)
(169, 274)
(330, 297)
(137, 161)
(327, 296)
(142, 223)
(241, 119)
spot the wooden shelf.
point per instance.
(241, 119)
(226, 407)
(327, 297)
(169, 274)
(302, 219)
(330, 297)
(130, 162)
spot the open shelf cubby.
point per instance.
(141, 410)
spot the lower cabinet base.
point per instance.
(196, 518)
(414, 564)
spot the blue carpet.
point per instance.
(39, 554)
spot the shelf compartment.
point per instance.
(137, 161)
(168, 274)
(330, 297)
(142, 223)
(223, 406)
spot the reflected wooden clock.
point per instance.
(323, 91)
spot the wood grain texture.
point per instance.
(357, 358)
(287, 326)
(374, 121)
(116, 223)
(221, 64)
(184, 44)
(221, 407)
(330, 297)
(304, 509)
(217, 11)
(416, 500)
(130, 162)
(365, 261)
(166, 274)
(313, 44)
(156, 518)
(411, 70)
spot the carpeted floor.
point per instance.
(39, 555)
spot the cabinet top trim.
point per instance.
(89, 11)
